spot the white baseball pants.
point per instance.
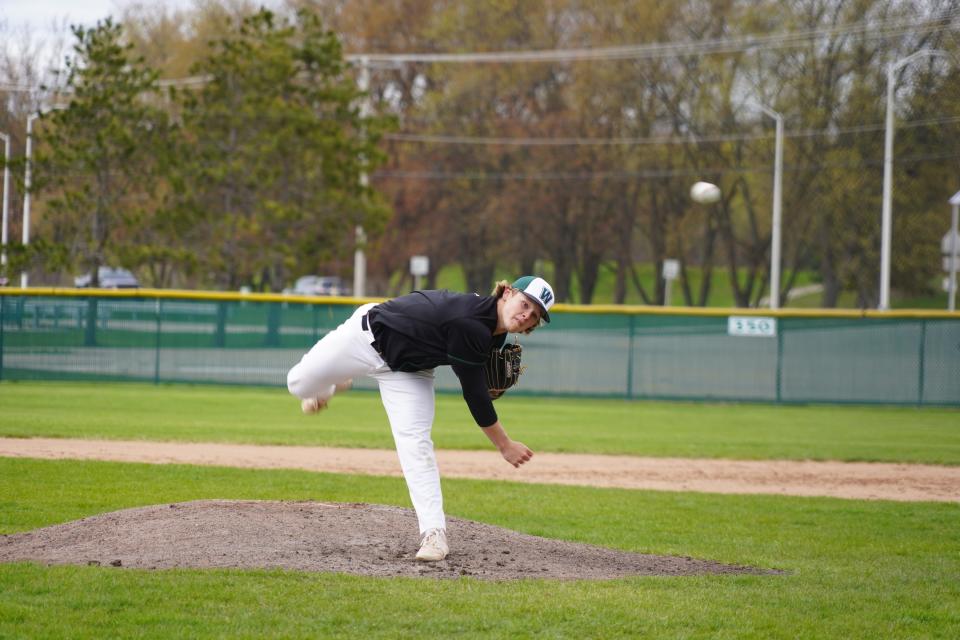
(346, 353)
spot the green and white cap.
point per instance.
(538, 290)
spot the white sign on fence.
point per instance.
(752, 326)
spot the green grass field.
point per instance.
(857, 569)
(356, 419)
(721, 294)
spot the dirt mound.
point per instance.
(363, 539)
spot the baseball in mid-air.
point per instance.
(705, 193)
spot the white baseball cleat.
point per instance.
(433, 547)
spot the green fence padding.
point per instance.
(907, 358)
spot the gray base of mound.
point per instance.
(362, 539)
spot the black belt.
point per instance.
(366, 327)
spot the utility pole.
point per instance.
(24, 276)
(775, 230)
(6, 200)
(359, 257)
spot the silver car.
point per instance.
(320, 286)
(110, 278)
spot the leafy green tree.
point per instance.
(926, 174)
(173, 38)
(276, 148)
(486, 223)
(97, 159)
(832, 194)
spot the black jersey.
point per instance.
(427, 329)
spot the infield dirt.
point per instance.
(851, 480)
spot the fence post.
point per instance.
(780, 328)
(156, 362)
(3, 322)
(90, 332)
(272, 339)
(220, 334)
(923, 342)
(630, 357)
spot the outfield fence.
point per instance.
(788, 356)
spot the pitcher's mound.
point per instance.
(363, 539)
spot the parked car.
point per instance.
(110, 278)
(320, 286)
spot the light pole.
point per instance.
(26, 191)
(775, 225)
(6, 199)
(951, 254)
(777, 208)
(887, 214)
(359, 257)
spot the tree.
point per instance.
(584, 207)
(172, 40)
(276, 147)
(833, 196)
(97, 156)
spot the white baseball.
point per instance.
(705, 193)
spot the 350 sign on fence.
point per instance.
(752, 326)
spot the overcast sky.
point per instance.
(41, 15)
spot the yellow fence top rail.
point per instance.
(229, 296)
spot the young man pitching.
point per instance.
(398, 343)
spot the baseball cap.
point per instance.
(538, 290)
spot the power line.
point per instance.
(785, 40)
(654, 140)
(757, 43)
(650, 174)
(18, 88)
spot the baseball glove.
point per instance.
(503, 369)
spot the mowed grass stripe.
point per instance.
(357, 419)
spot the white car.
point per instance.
(320, 286)
(110, 278)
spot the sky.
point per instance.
(41, 15)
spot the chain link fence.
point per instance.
(904, 358)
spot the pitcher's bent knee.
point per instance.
(295, 382)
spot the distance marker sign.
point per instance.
(752, 326)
